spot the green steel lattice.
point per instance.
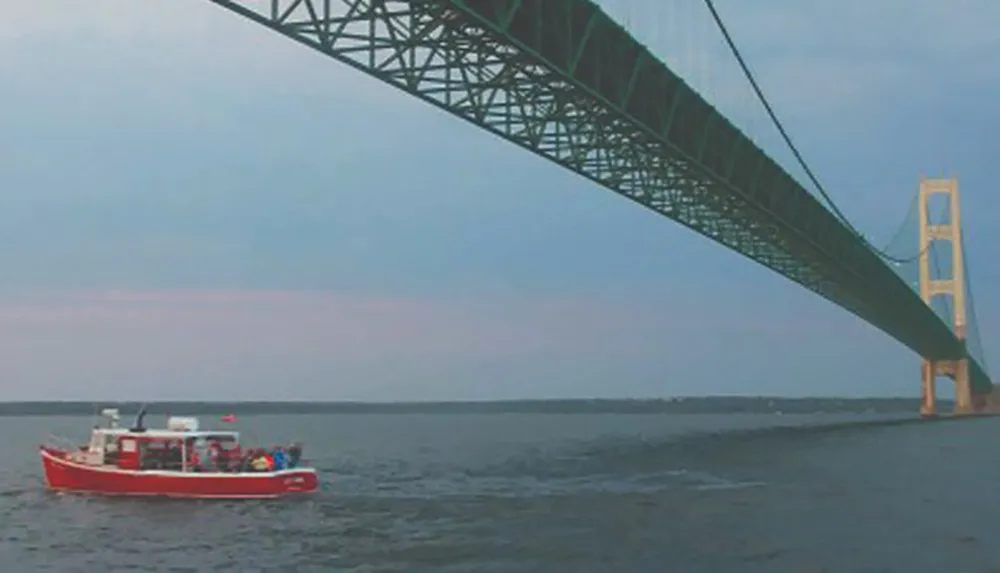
(564, 81)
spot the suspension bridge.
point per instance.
(565, 81)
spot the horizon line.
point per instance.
(480, 401)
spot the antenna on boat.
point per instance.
(139, 416)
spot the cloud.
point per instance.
(105, 63)
(216, 342)
(196, 33)
(830, 67)
(806, 62)
(258, 344)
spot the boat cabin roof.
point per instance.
(162, 434)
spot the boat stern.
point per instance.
(302, 480)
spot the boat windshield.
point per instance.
(181, 453)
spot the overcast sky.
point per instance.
(195, 207)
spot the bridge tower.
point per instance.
(952, 285)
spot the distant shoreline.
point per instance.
(680, 405)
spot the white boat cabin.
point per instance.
(181, 446)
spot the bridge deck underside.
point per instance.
(564, 81)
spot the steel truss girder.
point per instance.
(530, 72)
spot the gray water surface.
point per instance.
(538, 492)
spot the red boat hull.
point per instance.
(61, 474)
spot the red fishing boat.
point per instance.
(177, 461)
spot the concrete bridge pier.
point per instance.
(963, 388)
(928, 396)
(958, 371)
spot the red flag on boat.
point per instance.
(228, 418)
